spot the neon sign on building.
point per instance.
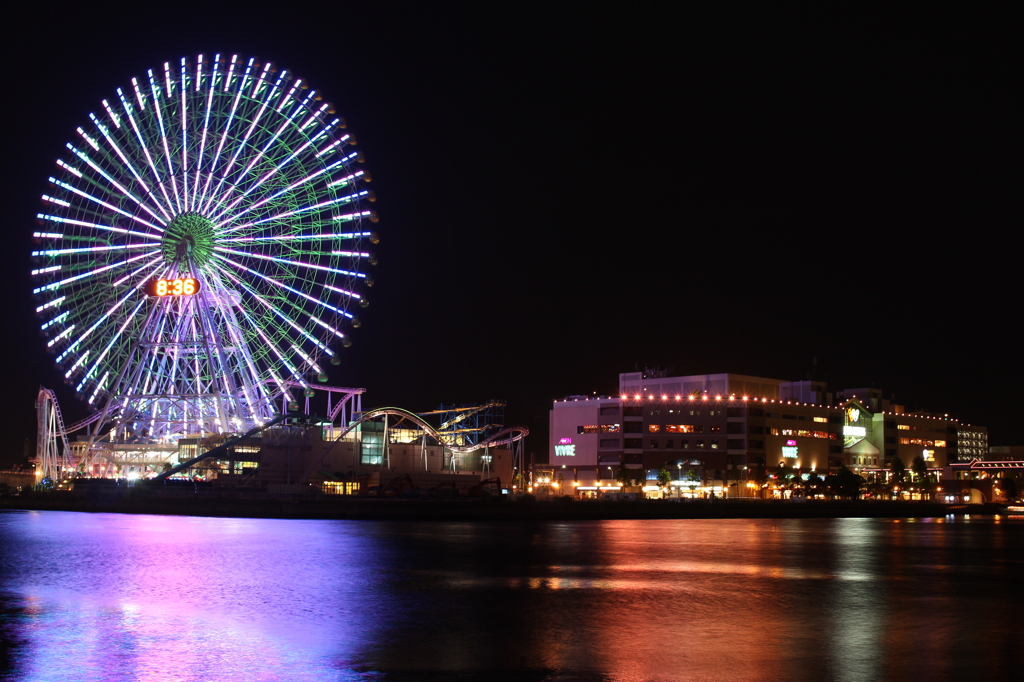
(790, 449)
(565, 448)
(855, 429)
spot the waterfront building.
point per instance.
(716, 433)
(972, 443)
(368, 457)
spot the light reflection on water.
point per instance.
(118, 597)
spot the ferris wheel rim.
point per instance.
(225, 170)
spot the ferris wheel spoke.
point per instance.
(288, 262)
(296, 375)
(115, 337)
(101, 320)
(58, 284)
(347, 199)
(206, 121)
(96, 200)
(168, 159)
(94, 226)
(121, 155)
(244, 142)
(113, 183)
(154, 268)
(234, 108)
(304, 295)
(269, 174)
(295, 185)
(227, 126)
(183, 91)
(165, 206)
(324, 236)
(282, 316)
(91, 249)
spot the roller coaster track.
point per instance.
(53, 462)
(81, 423)
(506, 436)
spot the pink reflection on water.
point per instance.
(163, 598)
(157, 598)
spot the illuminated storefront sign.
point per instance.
(790, 449)
(853, 432)
(565, 448)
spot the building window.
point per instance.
(654, 428)
(654, 443)
(700, 444)
(716, 429)
(634, 427)
(668, 444)
(714, 444)
(684, 428)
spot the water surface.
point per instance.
(123, 597)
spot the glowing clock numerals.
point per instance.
(182, 286)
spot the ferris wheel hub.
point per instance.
(189, 232)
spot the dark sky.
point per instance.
(568, 193)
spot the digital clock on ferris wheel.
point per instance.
(179, 286)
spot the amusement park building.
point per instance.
(321, 456)
(722, 425)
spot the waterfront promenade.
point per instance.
(259, 505)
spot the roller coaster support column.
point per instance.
(387, 444)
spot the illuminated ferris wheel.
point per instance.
(202, 246)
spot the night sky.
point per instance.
(569, 193)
